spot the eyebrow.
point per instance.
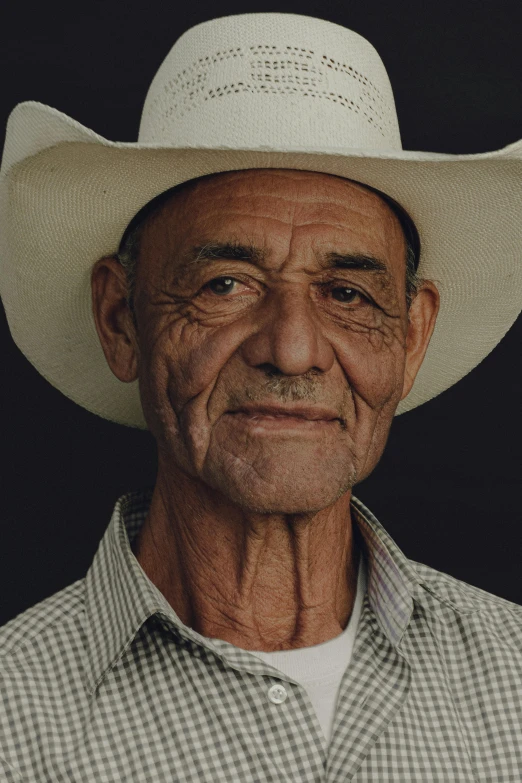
(353, 261)
(232, 251)
(228, 251)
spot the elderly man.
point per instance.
(247, 618)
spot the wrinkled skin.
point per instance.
(249, 533)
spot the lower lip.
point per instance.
(282, 422)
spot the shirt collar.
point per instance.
(119, 597)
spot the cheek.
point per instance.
(373, 361)
(184, 361)
(374, 369)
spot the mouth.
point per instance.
(269, 418)
(306, 413)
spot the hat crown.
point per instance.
(271, 80)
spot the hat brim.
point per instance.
(67, 195)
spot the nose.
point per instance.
(289, 336)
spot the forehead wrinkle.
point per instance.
(228, 186)
(354, 201)
(285, 220)
(343, 215)
(348, 191)
(321, 204)
(255, 216)
(325, 199)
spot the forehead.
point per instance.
(271, 207)
(310, 193)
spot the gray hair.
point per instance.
(129, 249)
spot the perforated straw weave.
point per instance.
(333, 72)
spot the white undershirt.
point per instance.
(320, 668)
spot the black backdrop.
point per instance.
(447, 487)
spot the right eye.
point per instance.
(221, 285)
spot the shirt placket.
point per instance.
(282, 715)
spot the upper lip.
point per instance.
(311, 412)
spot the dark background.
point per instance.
(448, 485)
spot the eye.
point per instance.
(221, 285)
(346, 294)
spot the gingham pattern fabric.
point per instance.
(102, 682)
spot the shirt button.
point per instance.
(277, 694)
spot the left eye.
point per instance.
(221, 285)
(345, 294)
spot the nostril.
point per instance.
(270, 369)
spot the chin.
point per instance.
(284, 491)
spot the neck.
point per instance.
(259, 581)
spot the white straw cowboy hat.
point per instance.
(264, 90)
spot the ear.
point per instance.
(113, 318)
(422, 317)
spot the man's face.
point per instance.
(250, 292)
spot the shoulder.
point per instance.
(496, 615)
(49, 619)
(462, 593)
(41, 662)
(42, 643)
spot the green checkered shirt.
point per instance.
(102, 682)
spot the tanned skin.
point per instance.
(252, 290)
